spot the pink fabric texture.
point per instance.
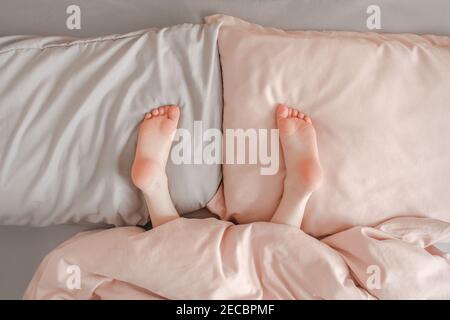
(379, 104)
(254, 261)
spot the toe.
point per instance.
(301, 115)
(155, 112)
(290, 113)
(295, 113)
(148, 115)
(161, 111)
(282, 111)
(307, 119)
(173, 112)
(166, 110)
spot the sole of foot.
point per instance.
(156, 133)
(299, 143)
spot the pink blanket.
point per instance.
(213, 259)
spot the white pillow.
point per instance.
(69, 112)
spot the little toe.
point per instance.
(148, 115)
(307, 119)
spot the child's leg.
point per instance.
(303, 171)
(156, 133)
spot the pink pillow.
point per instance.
(381, 108)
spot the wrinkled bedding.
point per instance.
(379, 103)
(262, 260)
(69, 112)
(394, 258)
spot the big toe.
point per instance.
(289, 126)
(173, 112)
(282, 112)
(169, 122)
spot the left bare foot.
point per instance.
(155, 138)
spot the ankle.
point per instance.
(159, 183)
(305, 175)
(292, 187)
(148, 174)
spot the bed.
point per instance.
(22, 248)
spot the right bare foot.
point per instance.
(156, 133)
(299, 143)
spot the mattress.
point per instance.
(22, 248)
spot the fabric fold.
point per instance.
(214, 259)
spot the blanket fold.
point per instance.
(214, 259)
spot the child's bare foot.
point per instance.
(299, 143)
(156, 133)
(303, 171)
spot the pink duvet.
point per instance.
(213, 259)
(385, 159)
